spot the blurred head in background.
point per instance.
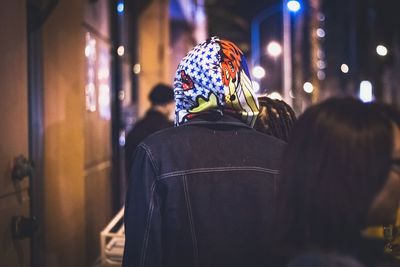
(162, 99)
(341, 174)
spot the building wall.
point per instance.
(153, 50)
(165, 40)
(97, 130)
(77, 140)
(181, 43)
(64, 154)
(14, 199)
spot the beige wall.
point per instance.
(153, 50)
(98, 197)
(14, 199)
(183, 42)
(77, 142)
(158, 55)
(63, 46)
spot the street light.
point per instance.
(274, 49)
(381, 50)
(320, 33)
(120, 7)
(258, 72)
(121, 50)
(275, 95)
(308, 87)
(287, 7)
(255, 31)
(344, 68)
(293, 6)
(366, 94)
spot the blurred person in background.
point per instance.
(156, 119)
(341, 175)
(203, 193)
(276, 118)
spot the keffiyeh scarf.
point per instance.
(214, 77)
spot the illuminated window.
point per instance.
(90, 87)
(104, 82)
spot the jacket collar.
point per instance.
(220, 120)
(153, 112)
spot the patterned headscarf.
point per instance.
(213, 77)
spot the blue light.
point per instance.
(293, 5)
(120, 7)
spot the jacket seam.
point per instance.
(216, 169)
(191, 221)
(150, 155)
(148, 225)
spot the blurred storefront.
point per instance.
(71, 71)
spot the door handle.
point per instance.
(23, 227)
(22, 168)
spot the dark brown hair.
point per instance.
(338, 159)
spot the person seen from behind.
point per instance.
(341, 175)
(202, 193)
(156, 119)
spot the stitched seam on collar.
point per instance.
(216, 169)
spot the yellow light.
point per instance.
(104, 95)
(87, 51)
(121, 50)
(381, 50)
(366, 91)
(121, 95)
(275, 95)
(137, 68)
(274, 49)
(321, 75)
(103, 73)
(321, 64)
(344, 68)
(258, 72)
(291, 94)
(320, 33)
(308, 87)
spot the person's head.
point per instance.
(339, 160)
(213, 79)
(162, 99)
(276, 118)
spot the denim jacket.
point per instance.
(202, 194)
